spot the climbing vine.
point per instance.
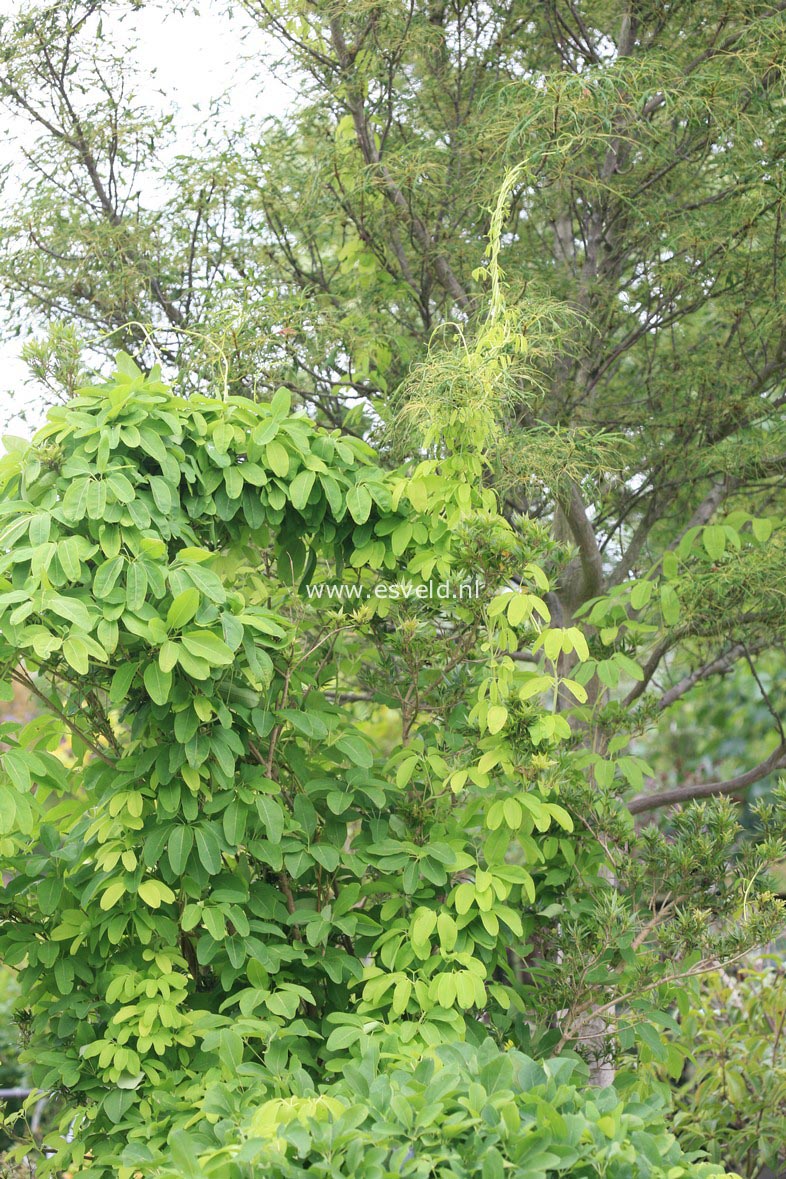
(263, 827)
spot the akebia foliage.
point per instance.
(220, 893)
(221, 875)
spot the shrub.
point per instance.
(227, 894)
(223, 879)
(461, 1112)
(732, 1101)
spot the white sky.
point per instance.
(195, 58)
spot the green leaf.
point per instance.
(423, 925)
(342, 1038)
(652, 1038)
(208, 849)
(448, 932)
(136, 586)
(112, 895)
(326, 855)
(762, 527)
(162, 494)
(121, 488)
(183, 608)
(75, 501)
(168, 655)
(121, 682)
(669, 604)
(356, 749)
(71, 608)
(277, 458)
(49, 893)
(332, 495)
(579, 643)
(629, 666)
(68, 555)
(281, 403)
(528, 884)
(578, 691)
(196, 668)
(519, 608)
(400, 537)
(465, 897)
(76, 655)
(233, 482)
(561, 815)
(158, 683)
(8, 818)
(154, 893)
(272, 815)
(184, 1155)
(205, 645)
(406, 770)
(234, 823)
(495, 720)
(106, 576)
(534, 685)
(300, 489)
(640, 594)
(310, 724)
(359, 503)
(714, 540)
(17, 764)
(207, 582)
(179, 847)
(96, 499)
(265, 432)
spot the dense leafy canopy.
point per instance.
(227, 882)
(639, 152)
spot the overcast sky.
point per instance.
(194, 58)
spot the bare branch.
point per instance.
(372, 156)
(651, 802)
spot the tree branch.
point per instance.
(717, 666)
(583, 534)
(651, 802)
(372, 156)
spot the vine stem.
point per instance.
(25, 681)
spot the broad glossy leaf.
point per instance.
(158, 683)
(205, 645)
(183, 608)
